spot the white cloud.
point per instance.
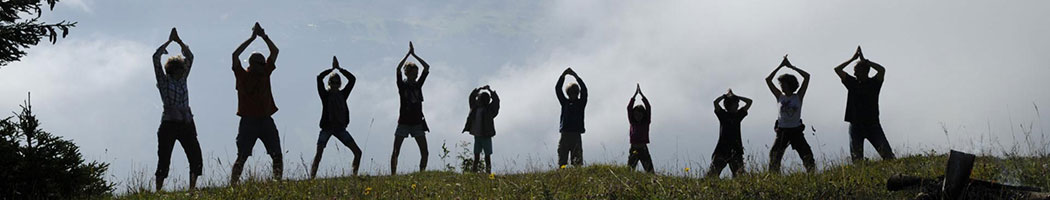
(685, 53)
(83, 89)
(975, 68)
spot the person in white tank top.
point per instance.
(789, 126)
(790, 111)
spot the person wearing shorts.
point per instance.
(411, 121)
(335, 115)
(255, 105)
(484, 106)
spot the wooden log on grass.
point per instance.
(957, 184)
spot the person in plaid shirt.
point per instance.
(177, 121)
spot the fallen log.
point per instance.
(956, 184)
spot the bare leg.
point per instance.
(488, 163)
(423, 152)
(349, 142)
(477, 162)
(397, 151)
(317, 161)
(357, 157)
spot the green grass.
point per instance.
(860, 181)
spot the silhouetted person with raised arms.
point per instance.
(572, 110)
(639, 116)
(730, 148)
(176, 123)
(255, 105)
(789, 125)
(484, 106)
(335, 114)
(411, 121)
(862, 106)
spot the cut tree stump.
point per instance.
(956, 184)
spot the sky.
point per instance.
(961, 75)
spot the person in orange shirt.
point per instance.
(255, 105)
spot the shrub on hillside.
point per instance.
(37, 165)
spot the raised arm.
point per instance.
(747, 104)
(769, 79)
(320, 81)
(880, 72)
(559, 88)
(186, 53)
(473, 99)
(269, 45)
(237, 53)
(400, 76)
(630, 106)
(426, 67)
(718, 103)
(648, 108)
(805, 81)
(351, 80)
(630, 103)
(494, 106)
(840, 70)
(158, 69)
(583, 86)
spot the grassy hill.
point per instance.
(861, 181)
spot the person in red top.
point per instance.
(255, 105)
(639, 116)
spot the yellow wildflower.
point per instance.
(413, 186)
(563, 166)
(686, 169)
(368, 190)
(492, 176)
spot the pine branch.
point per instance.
(16, 36)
